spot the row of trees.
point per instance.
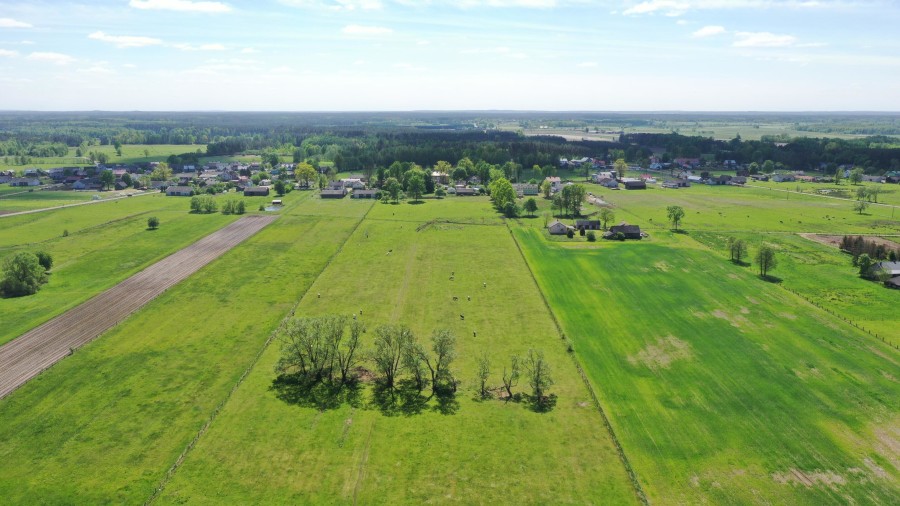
(328, 350)
(859, 245)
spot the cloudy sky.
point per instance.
(335, 55)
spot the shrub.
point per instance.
(591, 236)
(22, 275)
(570, 233)
(153, 223)
(45, 260)
(240, 208)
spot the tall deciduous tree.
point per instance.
(531, 206)
(502, 192)
(765, 259)
(511, 376)
(675, 215)
(620, 167)
(415, 183)
(305, 173)
(107, 178)
(484, 372)
(539, 375)
(606, 215)
(392, 343)
(393, 188)
(856, 175)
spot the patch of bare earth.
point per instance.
(809, 479)
(736, 320)
(661, 355)
(752, 300)
(662, 266)
(835, 240)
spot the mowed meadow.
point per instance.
(398, 268)
(722, 387)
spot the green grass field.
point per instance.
(485, 451)
(720, 387)
(724, 388)
(114, 417)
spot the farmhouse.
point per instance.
(523, 189)
(179, 191)
(587, 224)
(557, 228)
(629, 231)
(891, 268)
(555, 183)
(24, 181)
(364, 194)
(440, 177)
(256, 191)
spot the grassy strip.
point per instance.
(638, 490)
(212, 418)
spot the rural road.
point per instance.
(32, 211)
(31, 353)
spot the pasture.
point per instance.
(721, 387)
(262, 449)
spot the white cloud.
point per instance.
(587, 64)
(57, 58)
(8, 54)
(125, 40)
(366, 30)
(249, 50)
(763, 39)
(530, 4)
(337, 5)
(12, 23)
(27, 42)
(667, 7)
(130, 66)
(201, 47)
(180, 5)
(708, 31)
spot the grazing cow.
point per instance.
(462, 317)
(455, 298)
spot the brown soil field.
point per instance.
(835, 240)
(36, 350)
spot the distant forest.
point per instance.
(371, 140)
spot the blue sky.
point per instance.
(314, 55)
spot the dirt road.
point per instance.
(26, 356)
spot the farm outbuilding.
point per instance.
(256, 191)
(629, 231)
(635, 185)
(333, 194)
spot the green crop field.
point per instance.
(722, 387)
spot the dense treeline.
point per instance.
(875, 154)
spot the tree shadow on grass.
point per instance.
(741, 263)
(544, 404)
(771, 279)
(416, 202)
(403, 399)
(681, 231)
(299, 390)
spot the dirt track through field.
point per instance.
(29, 354)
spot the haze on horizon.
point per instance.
(401, 55)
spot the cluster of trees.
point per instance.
(16, 148)
(204, 204)
(859, 245)
(234, 207)
(24, 272)
(765, 257)
(570, 199)
(504, 197)
(329, 349)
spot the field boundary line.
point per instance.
(64, 206)
(636, 485)
(170, 473)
